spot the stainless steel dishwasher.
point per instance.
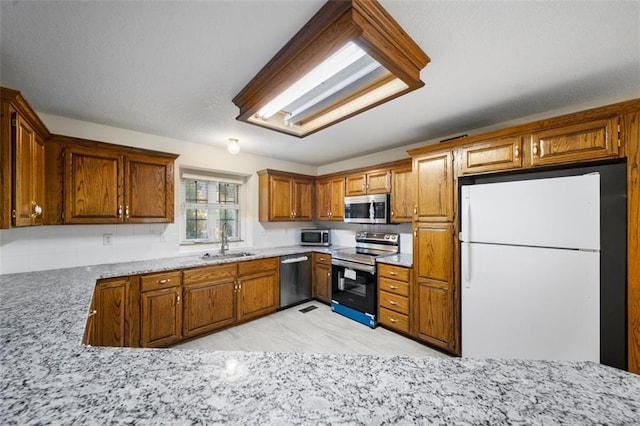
(295, 279)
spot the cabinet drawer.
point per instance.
(394, 320)
(325, 259)
(394, 272)
(161, 280)
(258, 265)
(210, 273)
(394, 302)
(393, 286)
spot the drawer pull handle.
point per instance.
(393, 273)
(393, 320)
(393, 287)
(392, 302)
(92, 313)
(164, 281)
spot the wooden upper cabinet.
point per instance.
(579, 142)
(433, 177)
(330, 199)
(93, 186)
(371, 182)
(22, 165)
(492, 156)
(402, 195)
(284, 197)
(149, 189)
(105, 184)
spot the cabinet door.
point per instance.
(434, 181)
(258, 295)
(580, 142)
(208, 306)
(28, 195)
(92, 186)
(302, 205)
(109, 313)
(337, 199)
(323, 200)
(378, 182)
(322, 281)
(434, 266)
(356, 185)
(148, 189)
(280, 198)
(402, 195)
(161, 317)
(492, 156)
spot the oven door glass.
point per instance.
(355, 289)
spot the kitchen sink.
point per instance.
(210, 256)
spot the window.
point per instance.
(209, 207)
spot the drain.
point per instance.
(308, 308)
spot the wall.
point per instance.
(49, 247)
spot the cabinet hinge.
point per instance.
(14, 122)
(13, 213)
(618, 136)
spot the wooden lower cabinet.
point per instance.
(394, 297)
(108, 323)
(434, 317)
(321, 276)
(208, 295)
(161, 310)
(258, 291)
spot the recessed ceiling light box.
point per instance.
(350, 57)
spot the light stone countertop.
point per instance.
(48, 376)
(400, 259)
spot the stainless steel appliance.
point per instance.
(367, 209)
(315, 237)
(354, 286)
(295, 279)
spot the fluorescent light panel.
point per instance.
(340, 60)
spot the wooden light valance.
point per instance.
(367, 25)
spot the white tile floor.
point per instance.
(317, 331)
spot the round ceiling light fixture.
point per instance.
(234, 146)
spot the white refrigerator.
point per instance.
(530, 263)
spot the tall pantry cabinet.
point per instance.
(434, 251)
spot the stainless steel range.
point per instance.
(354, 286)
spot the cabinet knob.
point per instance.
(36, 209)
(415, 210)
(535, 149)
(92, 313)
(328, 274)
(393, 213)
(415, 234)
(178, 299)
(516, 152)
(119, 211)
(126, 212)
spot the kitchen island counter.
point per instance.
(48, 376)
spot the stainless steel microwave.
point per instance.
(315, 237)
(367, 209)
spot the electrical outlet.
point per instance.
(107, 239)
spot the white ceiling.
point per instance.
(172, 68)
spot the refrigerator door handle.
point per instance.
(466, 213)
(466, 264)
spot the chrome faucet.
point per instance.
(224, 246)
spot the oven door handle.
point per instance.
(353, 265)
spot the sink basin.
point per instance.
(208, 256)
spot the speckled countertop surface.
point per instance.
(48, 377)
(400, 259)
